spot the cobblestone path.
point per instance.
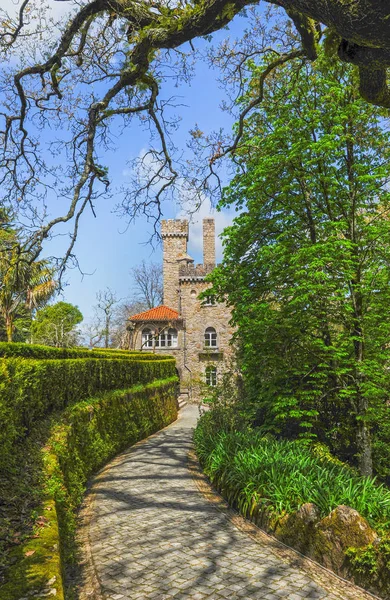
(153, 534)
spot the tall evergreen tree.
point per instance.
(307, 262)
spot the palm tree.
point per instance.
(24, 282)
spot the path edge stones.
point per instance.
(329, 581)
(89, 587)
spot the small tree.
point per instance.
(148, 284)
(24, 282)
(56, 325)
(100, 328)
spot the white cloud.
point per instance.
(222, 219)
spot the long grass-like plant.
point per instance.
(254, 472)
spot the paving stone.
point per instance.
(154, 535)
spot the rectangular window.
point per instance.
(209, 301)
(211, 376)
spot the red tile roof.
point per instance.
(159, 313)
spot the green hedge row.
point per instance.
(32, 389)
(86, 436)
(35, 351)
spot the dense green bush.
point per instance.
(253, 471)
(81, 440)
(31, 389)
(36, 351)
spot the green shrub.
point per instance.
(81, 440)
(254, 471)
(32, 389)
(36, 351)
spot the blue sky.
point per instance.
(107, 248)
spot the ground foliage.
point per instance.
(256, 471)
(268, 480)
(42, 492)
(306, 263)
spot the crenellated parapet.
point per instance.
(174, 228)
(190, 272)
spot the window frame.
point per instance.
(172, 337)
(210, 337)
(147, 343)
(166, 338)
(211, 376)
(209, 300)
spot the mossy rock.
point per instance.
(298, 530)
(343, 528)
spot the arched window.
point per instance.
(161, 339)
(147, 338)
(211, 376)
(210, 338)
(172, 338)
(167, 339)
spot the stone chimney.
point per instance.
(209, 243)
(174, 233)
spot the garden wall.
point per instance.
(31, 389)
(16, 349)
(63, 414)
(87, 435)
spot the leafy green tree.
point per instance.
(25, 283)
(55, 325)
(307, 262)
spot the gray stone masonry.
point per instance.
(183, 282)
(154, 535)
(209, 242)
(174, 234)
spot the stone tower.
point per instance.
(196, 331)
(174, 233)
(209, 244)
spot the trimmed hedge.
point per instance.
(35, 351)
(82, 440)
(32, 389)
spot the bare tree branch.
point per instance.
(108, 63)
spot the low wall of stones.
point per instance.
(343, 542)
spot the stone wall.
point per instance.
(178, 352)
(197, 317)
(174, 233)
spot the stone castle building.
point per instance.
(196, 332)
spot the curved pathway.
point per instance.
(152, 533)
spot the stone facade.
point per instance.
(202, 343)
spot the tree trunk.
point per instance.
(9, 327)
(363, 435)
(363, 440)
